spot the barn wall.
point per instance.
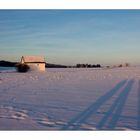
(41, 67)
(36, 66)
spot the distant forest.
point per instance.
(4, 63)
(88, 66)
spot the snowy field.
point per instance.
(71, 99)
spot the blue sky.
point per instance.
(71, 36)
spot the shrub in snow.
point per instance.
(22, 67)
(127, 65)
(120, 65)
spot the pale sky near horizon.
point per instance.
(71, 36)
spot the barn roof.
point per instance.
(33, 59)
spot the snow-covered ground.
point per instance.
(71, 99)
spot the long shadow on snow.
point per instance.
(138, 126)
(117, 107)
(82, 117)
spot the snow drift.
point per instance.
(71, 99)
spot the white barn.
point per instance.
(36, 63)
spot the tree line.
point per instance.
(88, 66)
(48, 65)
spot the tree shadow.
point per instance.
(75, 123)
(138, 125)
(117, 107)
